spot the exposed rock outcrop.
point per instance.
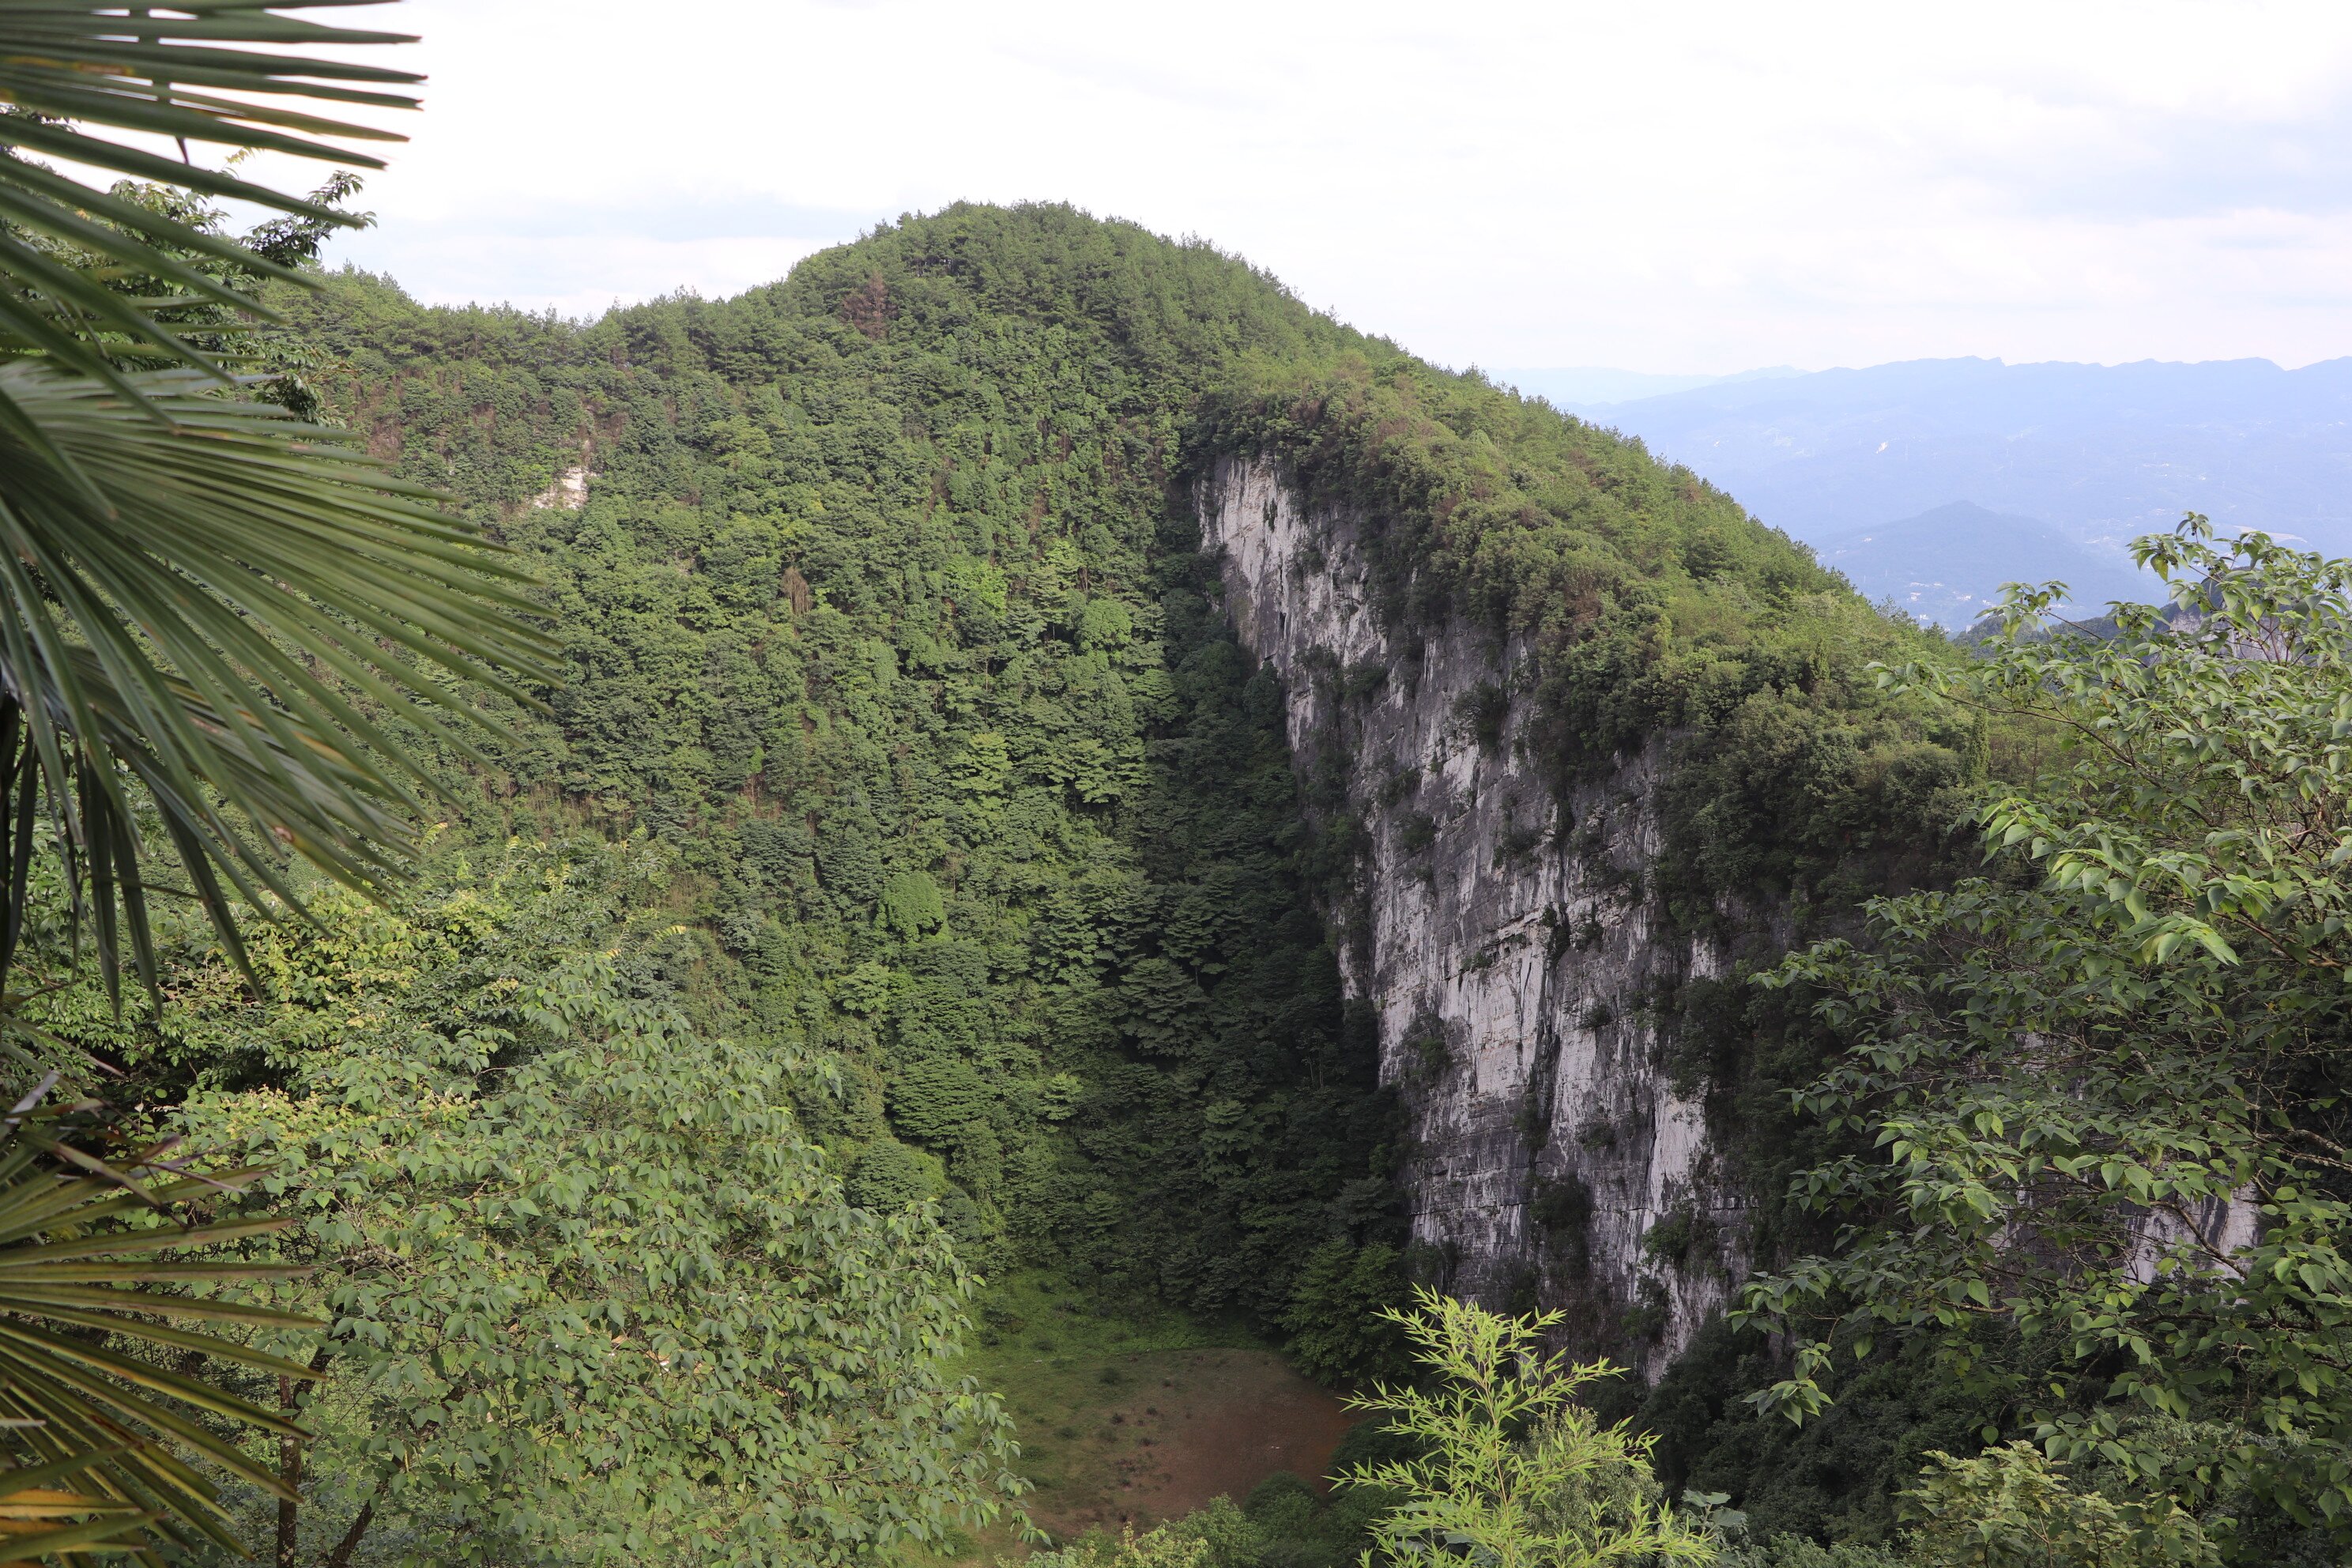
(1505, 940)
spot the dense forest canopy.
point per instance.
(656, 852)
(910, 875)
(869, 614)
(882, 606)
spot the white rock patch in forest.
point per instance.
(568, 493)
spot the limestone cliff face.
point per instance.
(1505, 945)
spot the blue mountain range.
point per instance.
(1934, 482)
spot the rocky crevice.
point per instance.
(1519, 971)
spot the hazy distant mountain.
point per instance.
(2101, 452)
(1576, 389)
(1948, 565)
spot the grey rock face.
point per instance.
(1505, 945)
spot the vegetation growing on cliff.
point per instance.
(883, 609)
(1631, 603)
(2103, 1086)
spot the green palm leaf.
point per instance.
(244, 615)
(69, 66)
(78, 1257)
(220, 626)
(238, 625)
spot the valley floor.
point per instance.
(1133, 1420)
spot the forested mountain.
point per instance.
(1053, 729)
(819, 930)
(883, 607)
(886, 623)
(872, 615)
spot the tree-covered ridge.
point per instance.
(945, 862)
(872, 613)
(882, 614)
(885, 609)
(1628, 601)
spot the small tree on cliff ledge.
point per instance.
(1513, 1473)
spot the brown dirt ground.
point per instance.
(1163, 1433)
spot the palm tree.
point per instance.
(224, 632)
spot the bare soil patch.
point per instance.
(1138, 1438)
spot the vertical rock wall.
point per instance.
(1512, 957)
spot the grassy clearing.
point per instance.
(1137, 1417)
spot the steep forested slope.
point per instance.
(868, 612)
(883, 604)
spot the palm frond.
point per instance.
(211, 611)
(79, 1261)
(226, 73)
(255, 621)
(244, 615)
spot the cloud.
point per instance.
(1688, 187)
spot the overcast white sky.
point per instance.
(1678, 187)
